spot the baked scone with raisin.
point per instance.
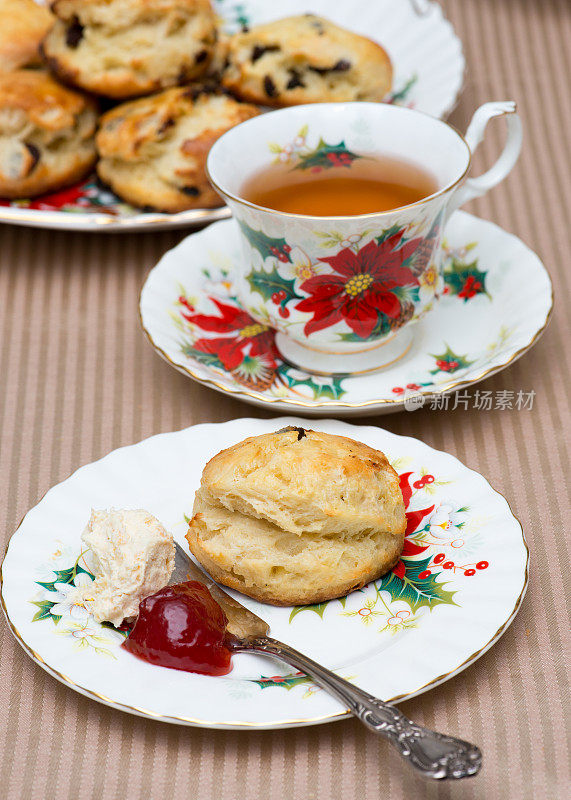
(153, 150)
(305, 59)
(297, 517)
(126, 48)
(46, 134)
(23, 26)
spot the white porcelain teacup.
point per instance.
(343, 292)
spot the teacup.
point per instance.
(343, 292)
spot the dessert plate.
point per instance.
(497, 301)
(457, 587)
(428, 73)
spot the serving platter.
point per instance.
(496, 301)
(460, 581)
(428, 73)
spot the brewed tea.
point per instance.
(365, 185)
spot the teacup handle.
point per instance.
(476, 187)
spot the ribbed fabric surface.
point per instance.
(78, 379)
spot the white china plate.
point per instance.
(497, 302)
(460, 583)
(428, 73)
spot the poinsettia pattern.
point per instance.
(235, 343)
(242, 334)
(365, 289)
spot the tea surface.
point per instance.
(368, 185)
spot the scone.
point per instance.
(153, 150)
(297, 517)
(126, 48)
(305, 59)
(23, 26)
(46, 134)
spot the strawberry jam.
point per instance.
(182, 627)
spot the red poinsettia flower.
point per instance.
(244, 333)
(361, 287)
(413, 520)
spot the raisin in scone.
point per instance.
(46, 134)
(23, 26)
(305, 59)
(126, 48)
(153, 150)
(297, 517)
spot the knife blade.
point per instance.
(241, 621)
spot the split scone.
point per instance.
(125, 48)
(305, 59)
(24, 25)
(46, 134)
(153, 150)
(297, 517)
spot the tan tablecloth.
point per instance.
(78, 379)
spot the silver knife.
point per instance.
(433, 754)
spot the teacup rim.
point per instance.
(341, 217)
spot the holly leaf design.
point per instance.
(417, 592)
(318, 608)
(332, 389)
(208, 359)
(45, 607)
(465, 280)
(387, 233)
(64, 576)
(267, 246)
(449, 362)
(270, 283)
(284, 683)
(326, 156)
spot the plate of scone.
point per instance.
(385, 560)
(108, 108)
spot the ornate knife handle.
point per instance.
(435, 755)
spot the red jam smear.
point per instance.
(181, 627)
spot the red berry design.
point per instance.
(421, 483)
(284, 312)
(283, 258)
(471, 288)
(482, 565)
(453, 365)
(274, 250)
(424, 574)
(448, 565)
(413, 386)
(286, 248)
(440, 557)
(469, 572)
(275, 298)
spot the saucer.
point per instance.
(428, 72)
(496, 302)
